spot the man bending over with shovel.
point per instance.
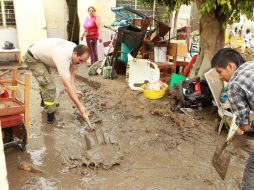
(63, 55)
(239, 74)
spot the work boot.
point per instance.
(50, 117)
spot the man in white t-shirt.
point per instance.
(62, 55)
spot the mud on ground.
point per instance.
(161, 150)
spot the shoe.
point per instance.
(250, 133)
(50, 118)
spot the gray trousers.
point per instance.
(48, 87)
(248, 174)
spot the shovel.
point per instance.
(94, 135)
(221, 158)
(222, 155)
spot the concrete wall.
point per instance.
(9, 34)
(30, 22)
(103, 10)
(56, 13)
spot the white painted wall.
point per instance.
(30, 22)
(3, 174)
(184, 16)
(47, 19)
(8, 34)
(56, 18)
(103, 10)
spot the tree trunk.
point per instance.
(73, 26)
(211, 40)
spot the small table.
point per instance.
(10, 52)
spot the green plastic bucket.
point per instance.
(176, 79)
(125, 49)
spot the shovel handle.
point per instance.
(85, 116)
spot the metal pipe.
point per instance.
(3, 174)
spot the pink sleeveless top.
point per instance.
(91, 27)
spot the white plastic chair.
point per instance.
(216, 85)
(141, 70)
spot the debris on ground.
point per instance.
(105, 156)
(22, 165)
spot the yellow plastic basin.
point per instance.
(154, 94)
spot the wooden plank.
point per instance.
(182, 50)
(19, 82)
(6, 99)
(12, 110)
(6, 81)
(11, 100)
(10, 107)
(14, 83)
(5, 72)
(11, 88)
(27, 102)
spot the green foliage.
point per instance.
(226, 11)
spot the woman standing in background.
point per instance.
(92, 33)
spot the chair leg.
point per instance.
(221, 124)
(23, 137)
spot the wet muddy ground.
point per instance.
(161, 150)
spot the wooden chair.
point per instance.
(177, 54)
(13, 110)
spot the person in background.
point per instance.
(239, 74)
(92, 33)
(60, 54)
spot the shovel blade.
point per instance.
(221, 160)
(94, 137)
(91, 140)
(100, 135)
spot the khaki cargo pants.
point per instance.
(48, 87)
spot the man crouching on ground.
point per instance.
(63, 55)
(239, 74)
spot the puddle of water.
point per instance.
(47, 184)
(37, 155)
(42, 183)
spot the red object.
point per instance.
(187, 69)
(11, 120)
(197, 87)
(184, 34)
(5, 94)
(91, 27)
(103, 104)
